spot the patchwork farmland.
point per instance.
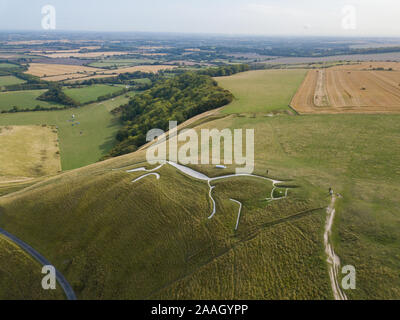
(76, 186)
(361, 88)
(58, 72)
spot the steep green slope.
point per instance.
(20, 275)
(114, 239)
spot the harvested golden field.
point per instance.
(362, 66)
(85, 54)
(363, 88)
(59, 72)
(43, 52)
(113, 73)
(48, 70)
(48, 52)
(28, 151)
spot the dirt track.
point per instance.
(333, 260)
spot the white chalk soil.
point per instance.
(200, 176)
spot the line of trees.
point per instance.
(15, 109)
(225, 70)
(123, 78)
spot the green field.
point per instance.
(119, 63)
(354, 155)
(26, 99)
(261, 91)
(4, 65)
(143, 81)
(10, 80)
(97, 124)
(90, 93)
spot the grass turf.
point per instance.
(153, 239)
(90, 93)
(16, 264)
(34, 151)
(261, 91)
(354, 155)
(26, 99)
(10, 80)
(4, 65)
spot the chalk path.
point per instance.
(240, 210)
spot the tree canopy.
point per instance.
(176, 99)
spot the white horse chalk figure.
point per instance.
(200, 176)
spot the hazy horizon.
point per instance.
(358, 18)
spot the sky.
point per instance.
(249, 17)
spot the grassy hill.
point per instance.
(140, 241)
(16, 264)
(114, 239)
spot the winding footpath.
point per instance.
(333, 260)
(69, 292)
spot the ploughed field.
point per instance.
(361, 88)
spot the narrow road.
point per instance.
(69, 292)
(333, 260)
